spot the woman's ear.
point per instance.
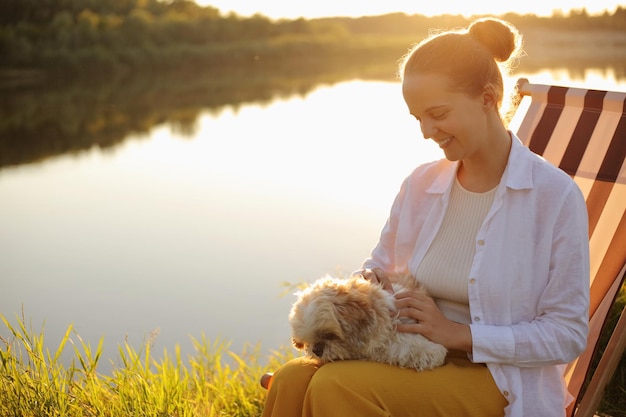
(490, 97)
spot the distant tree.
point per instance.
(136, 27)
(62, 26)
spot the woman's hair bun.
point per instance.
(499, 37)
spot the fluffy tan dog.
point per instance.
(337, 319)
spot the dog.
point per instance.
(352, 318)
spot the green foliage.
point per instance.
(213, 382)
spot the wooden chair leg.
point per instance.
(605, 370)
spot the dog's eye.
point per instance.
(329, 336)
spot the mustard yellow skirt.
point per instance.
(302, 387)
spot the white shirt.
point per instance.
(529, 281)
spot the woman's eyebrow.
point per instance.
(431, 109)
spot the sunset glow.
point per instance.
(308, 9)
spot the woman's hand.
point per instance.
(378, 276)
(431, 323)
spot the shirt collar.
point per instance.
(518, 174)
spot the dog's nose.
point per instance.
(318, 349)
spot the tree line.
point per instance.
(100, 37)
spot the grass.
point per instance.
(212, 382)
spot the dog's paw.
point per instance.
(416, 352)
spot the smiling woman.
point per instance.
(457, 225)
(323, 8)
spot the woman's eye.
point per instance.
(439, 116)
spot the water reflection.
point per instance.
(197, 212)
(42, 121)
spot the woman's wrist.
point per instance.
(460, 337)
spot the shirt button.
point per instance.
(476, 318)
(505, 393)
(481, 242)
(472, 281)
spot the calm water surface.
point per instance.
(197, 234)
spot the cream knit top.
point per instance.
(445, 269)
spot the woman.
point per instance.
(498, 237)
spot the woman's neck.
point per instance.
(483, 172)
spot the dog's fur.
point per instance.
(337, 319)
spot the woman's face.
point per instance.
(453, 119)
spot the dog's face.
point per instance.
(333, 319)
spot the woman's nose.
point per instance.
(428, 129)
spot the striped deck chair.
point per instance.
(584, 133)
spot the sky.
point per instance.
(293, 9)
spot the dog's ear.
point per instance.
(355, 313)
(326, 317)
